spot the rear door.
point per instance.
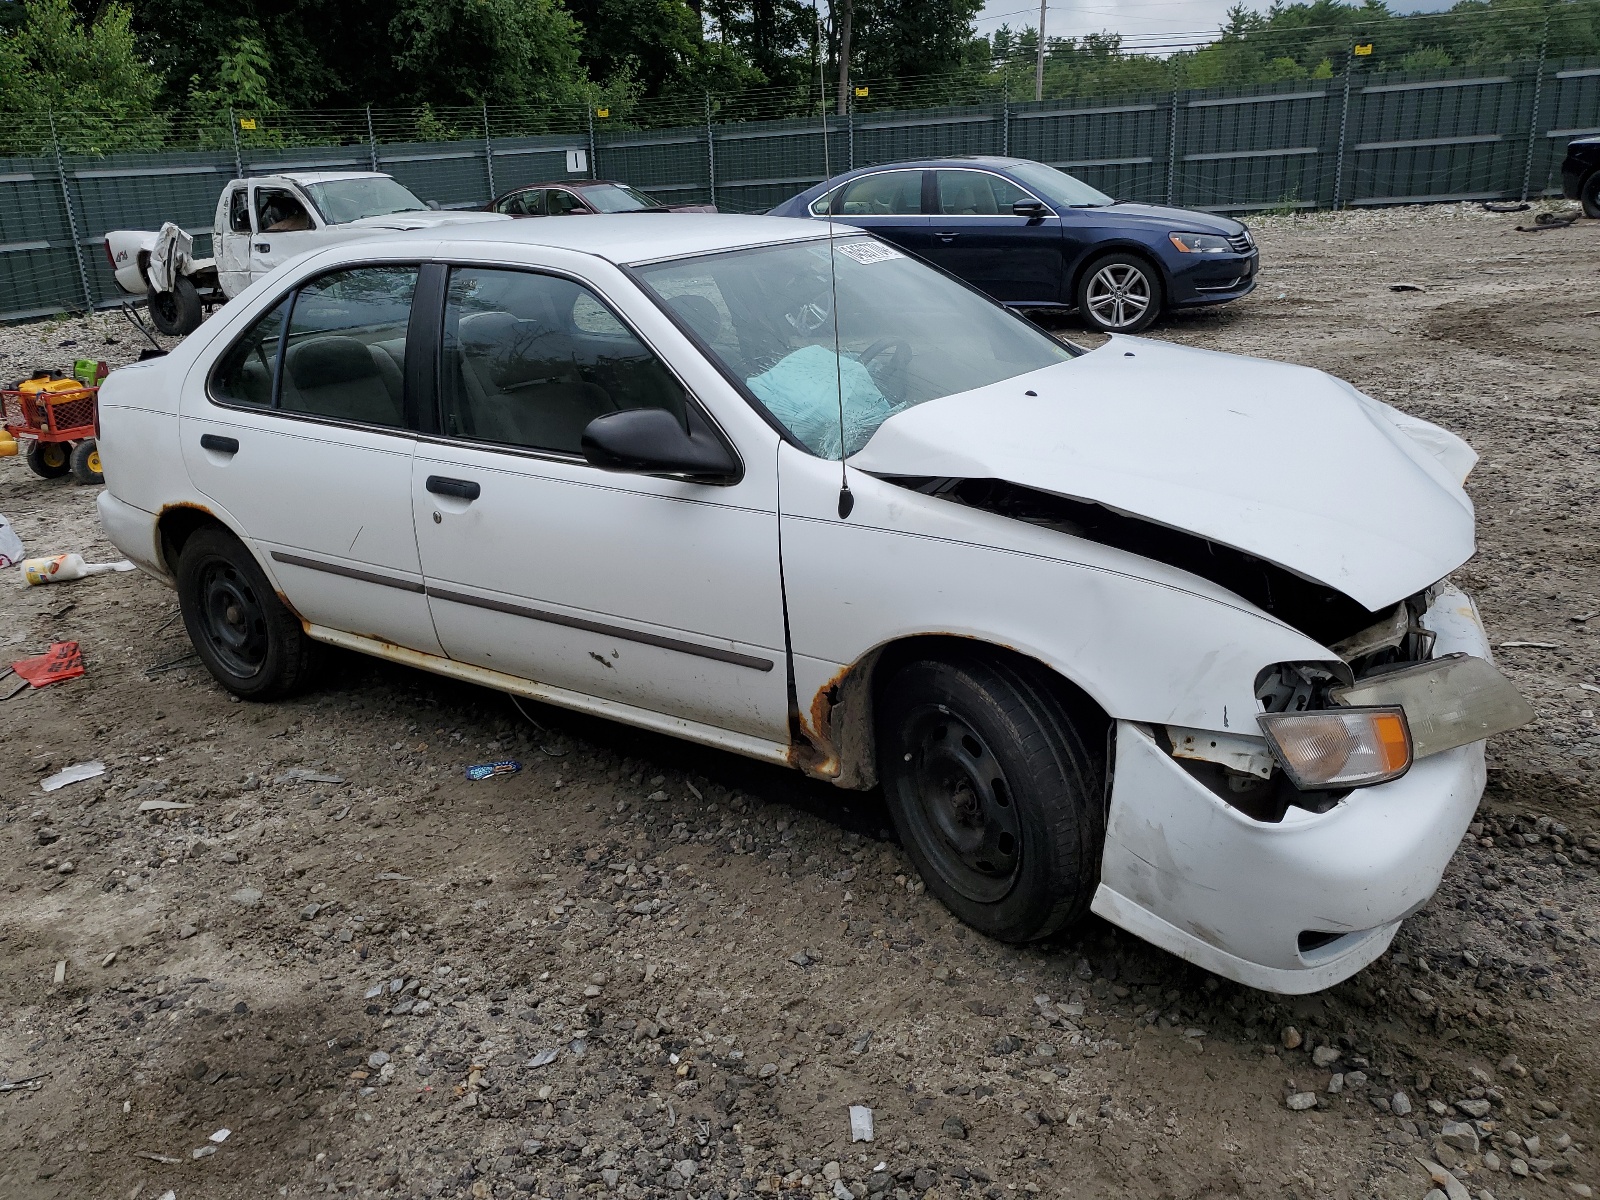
(298, 438)
(977, 237)
(889, 204)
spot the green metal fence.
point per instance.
(1356, 140)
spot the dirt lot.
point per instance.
(647, 968)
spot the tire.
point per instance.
(249, 641)
(86, 462)
(1120, 293)
(50, 460)
(1589, 194)
(177, 312)
(996, 786)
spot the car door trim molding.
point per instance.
(317, 564)
(734, 657)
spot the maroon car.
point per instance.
(569, 197)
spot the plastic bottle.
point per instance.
(63, 568)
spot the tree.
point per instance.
(520, 52)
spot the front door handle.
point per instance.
(222, 445)
(947, 237)
(465, 489)
(263, 247)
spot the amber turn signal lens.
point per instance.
(1339, 747)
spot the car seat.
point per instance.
(520, 385)
(336, 376)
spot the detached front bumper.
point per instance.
(1299, 905)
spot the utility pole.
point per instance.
(844, 16)
(1038, 68)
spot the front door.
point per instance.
(285, 226)
(298, 438)
(231, 240)
(652, 592)
(975, 236)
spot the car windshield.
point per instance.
(906, 333)
(343, 200)
(1058, 187)
(618, 197)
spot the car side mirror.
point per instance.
(1034, 210)
(649, 441)
(433, 204)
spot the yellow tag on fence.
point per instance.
(247, 122)
(861, 93)
(602, 112)
(1363, 48)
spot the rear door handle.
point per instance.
(947, 237)
(222, 445)
(441, 485)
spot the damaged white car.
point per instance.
(1147, 631)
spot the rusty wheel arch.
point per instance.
(179, 522)
(837, 739)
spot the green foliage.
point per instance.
(515, 52)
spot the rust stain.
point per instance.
(812, 748)
(166, 508)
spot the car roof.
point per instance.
(627, 238)
(305, 177)
(571, 183)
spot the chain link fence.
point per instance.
(1361, 139)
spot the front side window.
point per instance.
(529, 360)
(1059, 188)
(346, 350)
(906, 333)
(561, 202)
(280, 211)
(889, 194)
(245, 373)
(976, 194)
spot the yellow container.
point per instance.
(8, 445)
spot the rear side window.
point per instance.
(890, 194)
(346, 349)
(342, 356)
(529, 360)
(245, 373)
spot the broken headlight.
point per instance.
(1339, 747)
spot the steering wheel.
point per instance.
(898, 361)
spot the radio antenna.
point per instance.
(847, 500)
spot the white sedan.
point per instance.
(1146, 631)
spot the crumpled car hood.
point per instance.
(425, 220)
(1282, 462)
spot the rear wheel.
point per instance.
(244, 634)
(177, 312)
(49, 460)
(86, 462)
(1589, 193)
(1119, 293)
(996, 786)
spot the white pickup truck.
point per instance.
(261, 222)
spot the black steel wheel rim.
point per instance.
(165, 305)
(963, 803)
(232, 619)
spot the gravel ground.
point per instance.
(647, 968)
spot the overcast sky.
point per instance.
(1139, 21)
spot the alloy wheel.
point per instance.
(1119, 294)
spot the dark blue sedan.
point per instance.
(1034, 237)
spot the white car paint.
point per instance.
(624, 568)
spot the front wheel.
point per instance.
(49, 460)
(996, 785)
(176, 313)
(1589, 193)
(244, 634)
(1119, 293)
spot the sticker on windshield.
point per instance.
(868, 252)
